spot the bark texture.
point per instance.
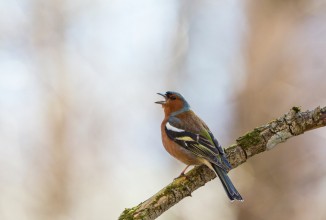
(256, 141)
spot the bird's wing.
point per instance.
(193, 136)
(220, 149)
(211, 137)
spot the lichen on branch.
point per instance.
(260, 139)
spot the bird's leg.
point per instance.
(182, 174)
(184, 170)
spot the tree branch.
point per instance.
(256, 141)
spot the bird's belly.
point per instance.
(179, 152)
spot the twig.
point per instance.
(256, 141)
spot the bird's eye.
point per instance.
(173, 98)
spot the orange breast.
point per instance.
(176, 150)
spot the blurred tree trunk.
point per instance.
(53, 160)
(283, 179)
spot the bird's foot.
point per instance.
(182, 175)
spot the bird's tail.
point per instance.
(230, 190)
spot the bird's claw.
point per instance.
(182, 175)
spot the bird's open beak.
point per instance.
(161, 102)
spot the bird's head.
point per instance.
(174, 103)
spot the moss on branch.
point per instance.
(260, 139)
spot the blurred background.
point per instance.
(79, 130)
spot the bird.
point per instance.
(187, 138)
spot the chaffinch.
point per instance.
(187, 138)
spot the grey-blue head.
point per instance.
(174, 103)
